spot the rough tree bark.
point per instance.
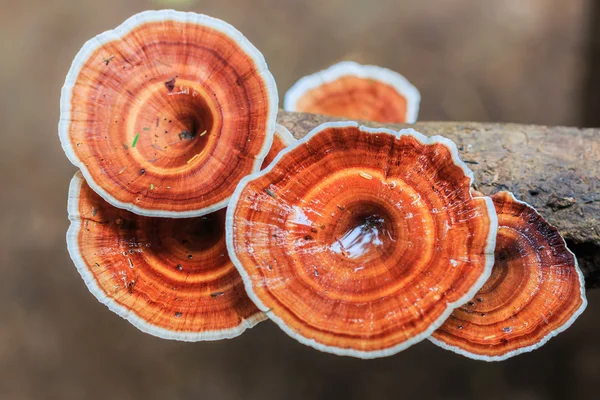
(555, 169)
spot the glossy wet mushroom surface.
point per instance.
(360, 242)
(535, 291)
(354, 91)
(171, 278)
(166, 113)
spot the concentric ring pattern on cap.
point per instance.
(165, 114)
(361, 241)
(536, 290)
(171, 278)
(355, 91)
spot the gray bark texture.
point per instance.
(555, 169)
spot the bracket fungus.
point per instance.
(281, 139)
(165, 114)
(171, 278)
(360, 241)
(354, 91)
(536, 290)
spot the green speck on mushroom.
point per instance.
(146, 129)
(152, 186)
(270, 193)
(135, 140)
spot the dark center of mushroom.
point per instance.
(190, 239)
(201, 233)
(363, 232)
(514, 265)
(173, 126)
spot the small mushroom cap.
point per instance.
(536, 290)
(355, 91)
(282, 139)
(165, 114)
(171, 278)
(360, 241)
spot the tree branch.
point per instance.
(555, 169)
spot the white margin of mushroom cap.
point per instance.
(351, 68)
(119, 32)
(122, 311)
(284, 134)
(451, 306)
(542, 341)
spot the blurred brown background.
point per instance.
(528, 61)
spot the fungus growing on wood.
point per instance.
(281, 139)
(355, 91)
(180, 102)
(536, 290)
(171, 278)
(360, 241)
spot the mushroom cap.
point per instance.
(360, 241)
(165, 114)
(281, 139)
(355, 91)
(536, 290)
(171, 278)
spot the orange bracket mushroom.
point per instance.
(536, 290)
(165, 114)
(355, 91)
(281, 139)
(171, 278)
(128, 262)
(360, 241)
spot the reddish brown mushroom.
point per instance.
(355, 91)
(536, 290)
(166, 113)
(282, 139)
(361, 241)
(171, 278)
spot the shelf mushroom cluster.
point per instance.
(195, 216)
